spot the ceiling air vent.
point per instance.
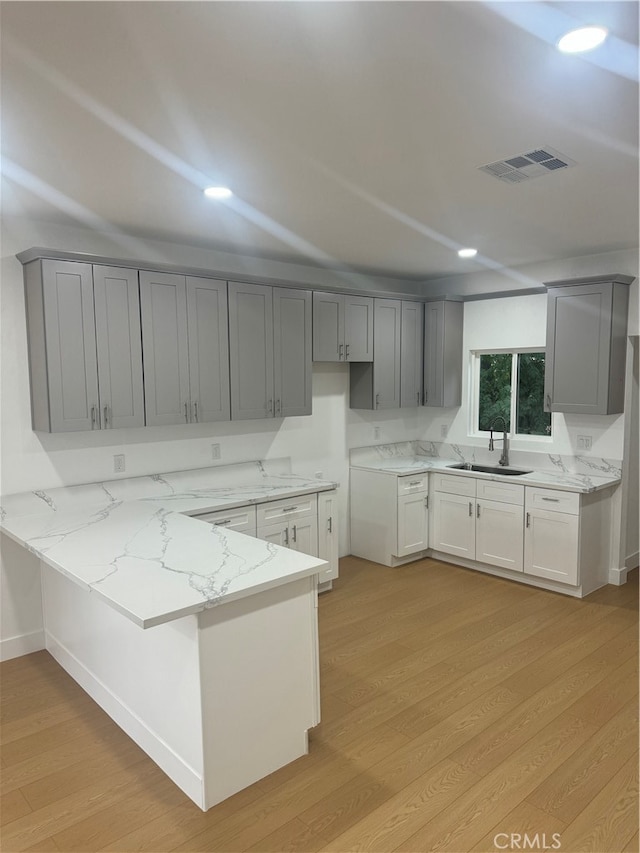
(533, 164)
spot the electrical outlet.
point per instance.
(118, 463)
(215, 451)
(376, 432)
(584, 442)
(444, 429)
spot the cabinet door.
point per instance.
(328, 327)
(70, 345)
(386, 350)
(303, 535)
(500, 534)
(292, 352)
(251, 350)
(208, 331)
(577, 353)
(163, 307)
(358, 328)
(454, 525)
(411, 337)
(412, 524)
(328, 532)
(276, 533)
(443, 322)
(119, 346)
(551, 545)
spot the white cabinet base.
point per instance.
(218, 700)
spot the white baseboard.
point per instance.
(25, 644)
(618, 577)
(176, 769)
(632, 561)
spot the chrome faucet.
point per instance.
(504, 459)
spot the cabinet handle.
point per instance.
(270, 407)
(186, 413)
(106, 416)
(426, 502)
(195, 411)
(295, 533)
(418, 398)
(548, 401)
(286, 536)
(218, 523)
(477, 510)
(377, 400)
(415, 482)
(426, 396)
(346, 353)
(340, 348)
(552, 500)
(289, 508)
(277, 409)
(528, 519)
(470, 509)
(94, 410)
(330, 525)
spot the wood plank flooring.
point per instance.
(456, 707)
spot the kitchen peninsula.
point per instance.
(199, 641)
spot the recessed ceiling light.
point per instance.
(467, 253)
(218, 192)
(584, 38)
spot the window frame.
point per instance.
(474, 396)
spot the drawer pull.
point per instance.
(226, 521)
(553, 500)
(289, 508)
(415, 483)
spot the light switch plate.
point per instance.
(215, 451)
(118, 463)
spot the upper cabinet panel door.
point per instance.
(119, 345)
(70, 345)
(292, 352)
(207, 320)
(433, 353)
(411, 355)
(328, 327)
(386, 363)
(358, 328)
(166, 354)
(251, 350)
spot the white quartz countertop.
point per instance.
(561, 480)
(132, 543)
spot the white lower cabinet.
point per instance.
(328, 533)
(389, 516)
(484, 523)
(552, 537)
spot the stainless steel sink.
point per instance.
(489, 469)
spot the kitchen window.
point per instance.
(509, 384)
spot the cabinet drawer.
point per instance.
(552, 500)
(454, 485)
(241, 519)
(507, 493)
(288, 508)
(409, 485)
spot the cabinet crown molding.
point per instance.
(615, 278)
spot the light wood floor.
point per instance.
(455, 706)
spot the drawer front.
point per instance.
(299, 507)
(454, 485)
(506, 493)
(241, 519)
(552, 500)
(410, 485)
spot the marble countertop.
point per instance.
(561, 480)
(132, 543)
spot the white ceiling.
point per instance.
(351, 133)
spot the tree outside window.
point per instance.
(510, 385)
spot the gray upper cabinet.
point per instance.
(184, 335)
(586, 345)
(443, 323)
(119, 345)
(292, 351)
(411, 343)
(394, 378)
(270, 351)
(342, 327)
(84, 346)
